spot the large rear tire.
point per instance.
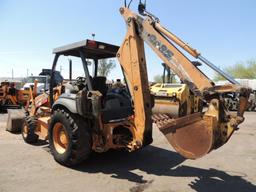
(69, 138)
(28, 130)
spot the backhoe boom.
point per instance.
(195, 134)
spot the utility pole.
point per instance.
(12, 73)
(70, 69)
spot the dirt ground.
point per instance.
(157, 167)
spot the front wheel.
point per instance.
(28, 130)
(69, 138)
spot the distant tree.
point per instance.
(242, 70)
(159, 79)
(252, 67)
(105, 66)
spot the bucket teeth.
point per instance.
(161, 120)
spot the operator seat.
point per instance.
(115, 106)
(99, 84)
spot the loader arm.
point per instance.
(193, 135)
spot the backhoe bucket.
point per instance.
(190, 136)
(193, 140)
(195, 135)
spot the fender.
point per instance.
(67, 101)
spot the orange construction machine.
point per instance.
(87, 116)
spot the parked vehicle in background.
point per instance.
(11, 97)
(252, 101)
(43, 80)
(43, 83)
(233, 98)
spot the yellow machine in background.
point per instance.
(175, 99)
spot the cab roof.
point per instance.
(92, 49)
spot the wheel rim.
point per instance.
(25, 130)
(60, 138)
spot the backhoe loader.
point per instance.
(88, 117)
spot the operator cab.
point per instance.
(115, 105)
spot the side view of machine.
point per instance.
(14, 98)
(87, 117)
(10, 96)
(73, 122)
(37, 112)
(252, 101)
(232, 99)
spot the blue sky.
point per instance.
(223, 31)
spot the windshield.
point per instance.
(39, 78)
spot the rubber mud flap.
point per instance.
(191, 136)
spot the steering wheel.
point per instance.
(81, 79)
(81, 82)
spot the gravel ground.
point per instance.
(157, 167)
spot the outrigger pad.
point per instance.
(15, 120)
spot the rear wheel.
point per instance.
(69, 138)
(28, 130)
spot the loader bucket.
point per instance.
(15, 120)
